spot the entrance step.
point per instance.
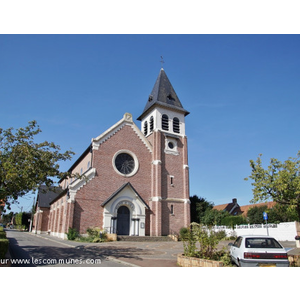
(127, 238)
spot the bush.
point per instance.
(72, 234)
(93, 232)
(183, 233)
(233, 220)
(221, 235)
(3, 247)
(2, 235)
(208, 241)
(97, 235)
(1, 229)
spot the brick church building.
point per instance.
(136, 181)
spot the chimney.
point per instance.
(234, 201)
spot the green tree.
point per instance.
(24, 164)
(214, 217)
(255, 214)
(282, 213)
(280, 181)
(198, 207)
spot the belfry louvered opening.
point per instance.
(176, 126)
(165, 122)
(145, 128)
(151, 123)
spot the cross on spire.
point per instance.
(162, 61)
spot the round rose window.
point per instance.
(124, 163)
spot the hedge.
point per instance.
(3, 247)
(2, 235)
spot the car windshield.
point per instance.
(262, 243)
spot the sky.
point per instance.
(242, 92)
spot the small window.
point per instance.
(151, 123)
(165, 122)
(176, 126)
(172, 180)
(172, 209)
(145, 128)
(88, 165)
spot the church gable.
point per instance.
(121, 154)
(126, 121)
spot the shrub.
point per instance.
(93, 231)
(72, 234)
(221, 235)
(183, 233)
(3, 247)
(97, 235)
(233, 220)
(2, 235)
(1, 229)
(208, 240)
(97, 240)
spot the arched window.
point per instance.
(165, 122)
(176, 126)
(151, 123)
(145, 128)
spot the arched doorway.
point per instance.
(123, 220)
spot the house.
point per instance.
(235, 209)
(135, 181)
(232, 208)
(42, 208)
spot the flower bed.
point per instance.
(185, 261)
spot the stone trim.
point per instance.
(185, 261)
(79, 183)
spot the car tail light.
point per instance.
(253, 255)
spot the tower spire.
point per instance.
(163, 95)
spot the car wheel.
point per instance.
(238, 263)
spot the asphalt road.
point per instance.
(28, 250)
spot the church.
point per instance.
(135, 181)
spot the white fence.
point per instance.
(282, 231)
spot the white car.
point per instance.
(258, 251)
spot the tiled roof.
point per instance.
(245, 208)
(241, 210)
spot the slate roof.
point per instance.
(163, 94)
(46, 195)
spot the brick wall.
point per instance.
(88, 211)
(151, 180)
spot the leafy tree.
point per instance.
(22, 219)
(282, 213)
(280, 181)
(214, 217)
(255, 214)
(24, 164)
(198, 207)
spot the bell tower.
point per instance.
(163, 124)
